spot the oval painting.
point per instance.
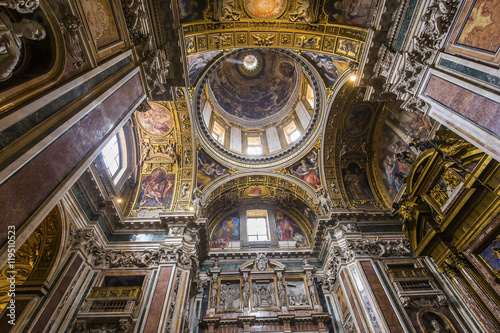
(265, 9)
(358, 120)
(257, 191)
(157, 121)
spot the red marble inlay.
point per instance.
(28, 188)
(479, 109)
(349, 294)
(53, 302)
(383, 302)
(158, 300)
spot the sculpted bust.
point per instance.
(10, 42)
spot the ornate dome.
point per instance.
(250, 98)
(254, 86)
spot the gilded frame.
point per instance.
(270, 279)
(230, 280)
(301, 279)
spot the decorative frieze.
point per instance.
(101, 257)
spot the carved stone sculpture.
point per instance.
(10, 42)
(261, 262)
(324, 203)
(184, 189)
(311, 287)
(196, 202)
(226, 11)
(22, 6)
(302, 12)
(213, 290)
(187, 157)
(246, 291)
(70, 26)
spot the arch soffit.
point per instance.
(220, 182)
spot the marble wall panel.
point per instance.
(157, 303)
(52, 304)
(479, 109)
(350, 297)
(55, 163)
(383, 301)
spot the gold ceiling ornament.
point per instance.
(35, 258)
(191, 91)
(333, 39)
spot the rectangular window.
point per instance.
(218, 132)
(257, 226)
(292, 133)
(310, 95)
(254, 146)
(111, 156)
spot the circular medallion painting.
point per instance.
(265, 9)
(157, 121)
(357, 120)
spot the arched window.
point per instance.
(111, 156)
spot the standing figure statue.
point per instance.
(197, 203)
(11, 43)
(325, 205)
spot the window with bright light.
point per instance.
(257, 226)
(292, 133)
(254, 146)
(111, 156)
(310, 95)
(218, 132)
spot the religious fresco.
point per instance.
(198, 62)
(302, 207)
(391, 145)
(491, 255)
(330, 67)
(289, 232)
(191, 10)
(353, 12)
(227, 233)
(481, 28)
(258, 93)
(265, 9)
(257, 191)
(356, 183)
(397, 131)
(208, 170)
(307, 169)
(157, 121)
(100, 17)
(156, 190)
(357, 120)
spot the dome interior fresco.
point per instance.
(258, 92)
